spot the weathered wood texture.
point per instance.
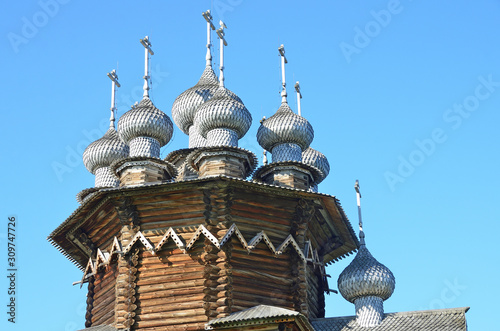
(104, 296)
(178, 290)
(222, 165)
(171, 289)
(140, 174)
(315, 293)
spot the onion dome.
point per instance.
(317, 159)
(285, 134)
(185, 105)
(223, 119)
(102, 152)
(367, 283)
(145, 129)
(366, 277)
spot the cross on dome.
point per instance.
(147, 51)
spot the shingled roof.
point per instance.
(424, 320)
(258, 315)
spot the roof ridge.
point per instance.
(455, 310)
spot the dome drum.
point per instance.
(196, 140)
(105, 178)
(222, 137)
(179, 159)
(144, 146)
(288, 174)
(286, 152)
(369, 311)
(222, 160)
(142, 170)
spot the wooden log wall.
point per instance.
(170, 290)
(90, 302)
(218, 219)
(260, 278)
(125, 306)
(314, 293)
(304, 212)
(175, 290)
(103, 305)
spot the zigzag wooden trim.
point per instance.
(171, 234)
(257, 239)
(115, 249)
(289, 240)
(140, 237)
(203, 230)
(103, 258)
(234, 230)
(90, 267)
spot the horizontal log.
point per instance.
(104, 287)
(259, 299)
(177, 258)
(102, 302)
(246, 258)
(179, 321)
(165, 305)
(184, 327)
(162, 278)
(182, 195)
(168, 286)
(103, 314)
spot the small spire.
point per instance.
(223, 42)
(114, 84)
(210, 25)
(358, 198)
(299, 96)
(281, 50)
(147, 46)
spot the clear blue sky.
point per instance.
(403, 95)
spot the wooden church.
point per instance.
(207, 240)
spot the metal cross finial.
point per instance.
(358, 198)
(299, 96)
(114, 84)
(147, 45)
(281, 50)
(210, 25)
(223, 42)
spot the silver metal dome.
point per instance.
(145, 120)
(102, 152)
(224, 111)
(285, 127)
(186, 104)
(366, 277)
(317, 159)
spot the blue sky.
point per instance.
(403, 95)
